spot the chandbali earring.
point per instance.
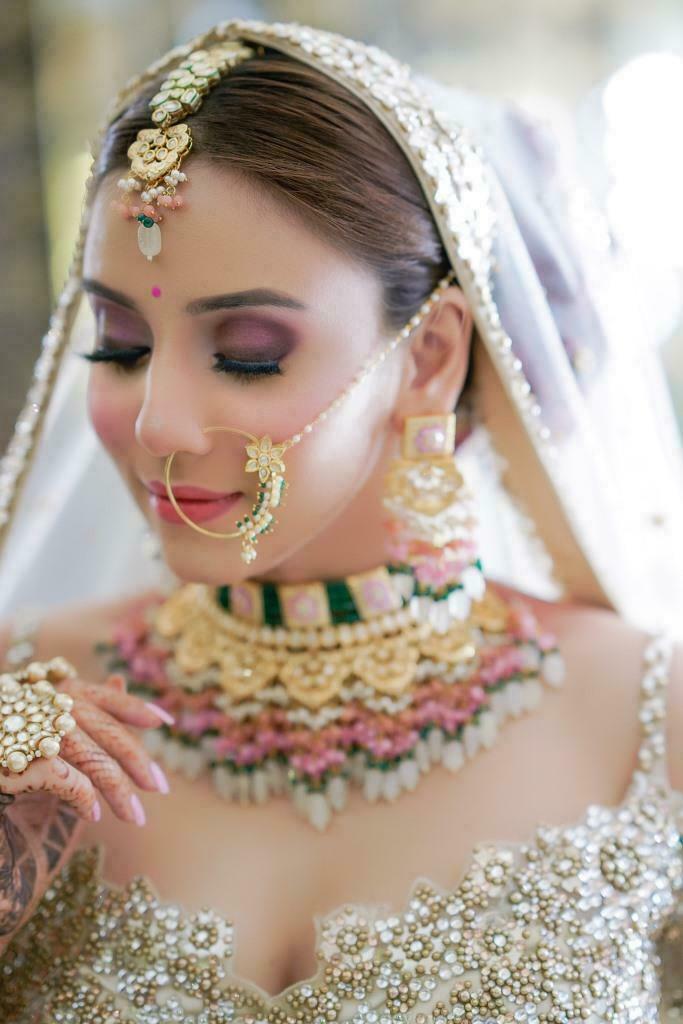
(266, 458)
(431, 523)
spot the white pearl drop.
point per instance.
(149, 240)
(453, 755)
(553, 669)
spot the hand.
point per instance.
(100, 753)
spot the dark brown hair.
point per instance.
(318, 149)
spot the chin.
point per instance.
(205, 561)
(191, 564)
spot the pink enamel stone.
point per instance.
(303, 607)
(241, 601)
(377, 596)
(430, 440)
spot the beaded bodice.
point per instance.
(573, 925)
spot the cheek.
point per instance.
(112, 410)
(332, 464)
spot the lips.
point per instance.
(187, 493)
(198, 503)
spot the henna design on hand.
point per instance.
(59, 832)
(18, 870)
(24, 872)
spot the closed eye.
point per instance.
(243, 368)
(127, 359)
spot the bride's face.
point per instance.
(246, 319)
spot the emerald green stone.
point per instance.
(272, 612)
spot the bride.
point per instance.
(390, 728)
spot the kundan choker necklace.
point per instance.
(309, 688)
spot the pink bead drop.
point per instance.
(123, 208)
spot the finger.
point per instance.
(120, 743)
(53, 775)
(125, 706)
(83, 753)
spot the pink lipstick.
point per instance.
(198, 503)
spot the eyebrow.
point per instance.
(230, 300)
(236, 300)
(95, 288)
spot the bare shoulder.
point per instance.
(73, 631)
(605, 668)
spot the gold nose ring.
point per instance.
(263, 458)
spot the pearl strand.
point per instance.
(374, 361)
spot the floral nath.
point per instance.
(157, 152)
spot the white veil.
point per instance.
(74, 534)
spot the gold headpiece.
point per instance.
(157, 153)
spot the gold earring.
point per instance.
(264, 458)
(430, 527)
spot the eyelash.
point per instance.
(126, 359)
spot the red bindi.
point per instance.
(156, 291)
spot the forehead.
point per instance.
(230, 234)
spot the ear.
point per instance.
(437, 361)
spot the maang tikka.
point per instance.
(157, 153)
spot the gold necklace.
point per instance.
(374, 702)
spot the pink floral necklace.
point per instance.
(310, 688)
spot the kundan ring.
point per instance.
(34, 716)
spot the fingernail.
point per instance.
(159, 777)
(162, 713)
(138, 809)
(117, 679)
(96, 812)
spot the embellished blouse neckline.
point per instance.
(482, 854)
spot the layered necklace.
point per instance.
(308, 689)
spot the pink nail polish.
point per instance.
(138, 809)
(161, 712)
(159, 777)
(96, 812)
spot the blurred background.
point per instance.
(610, 71)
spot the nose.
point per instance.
(170, 415)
